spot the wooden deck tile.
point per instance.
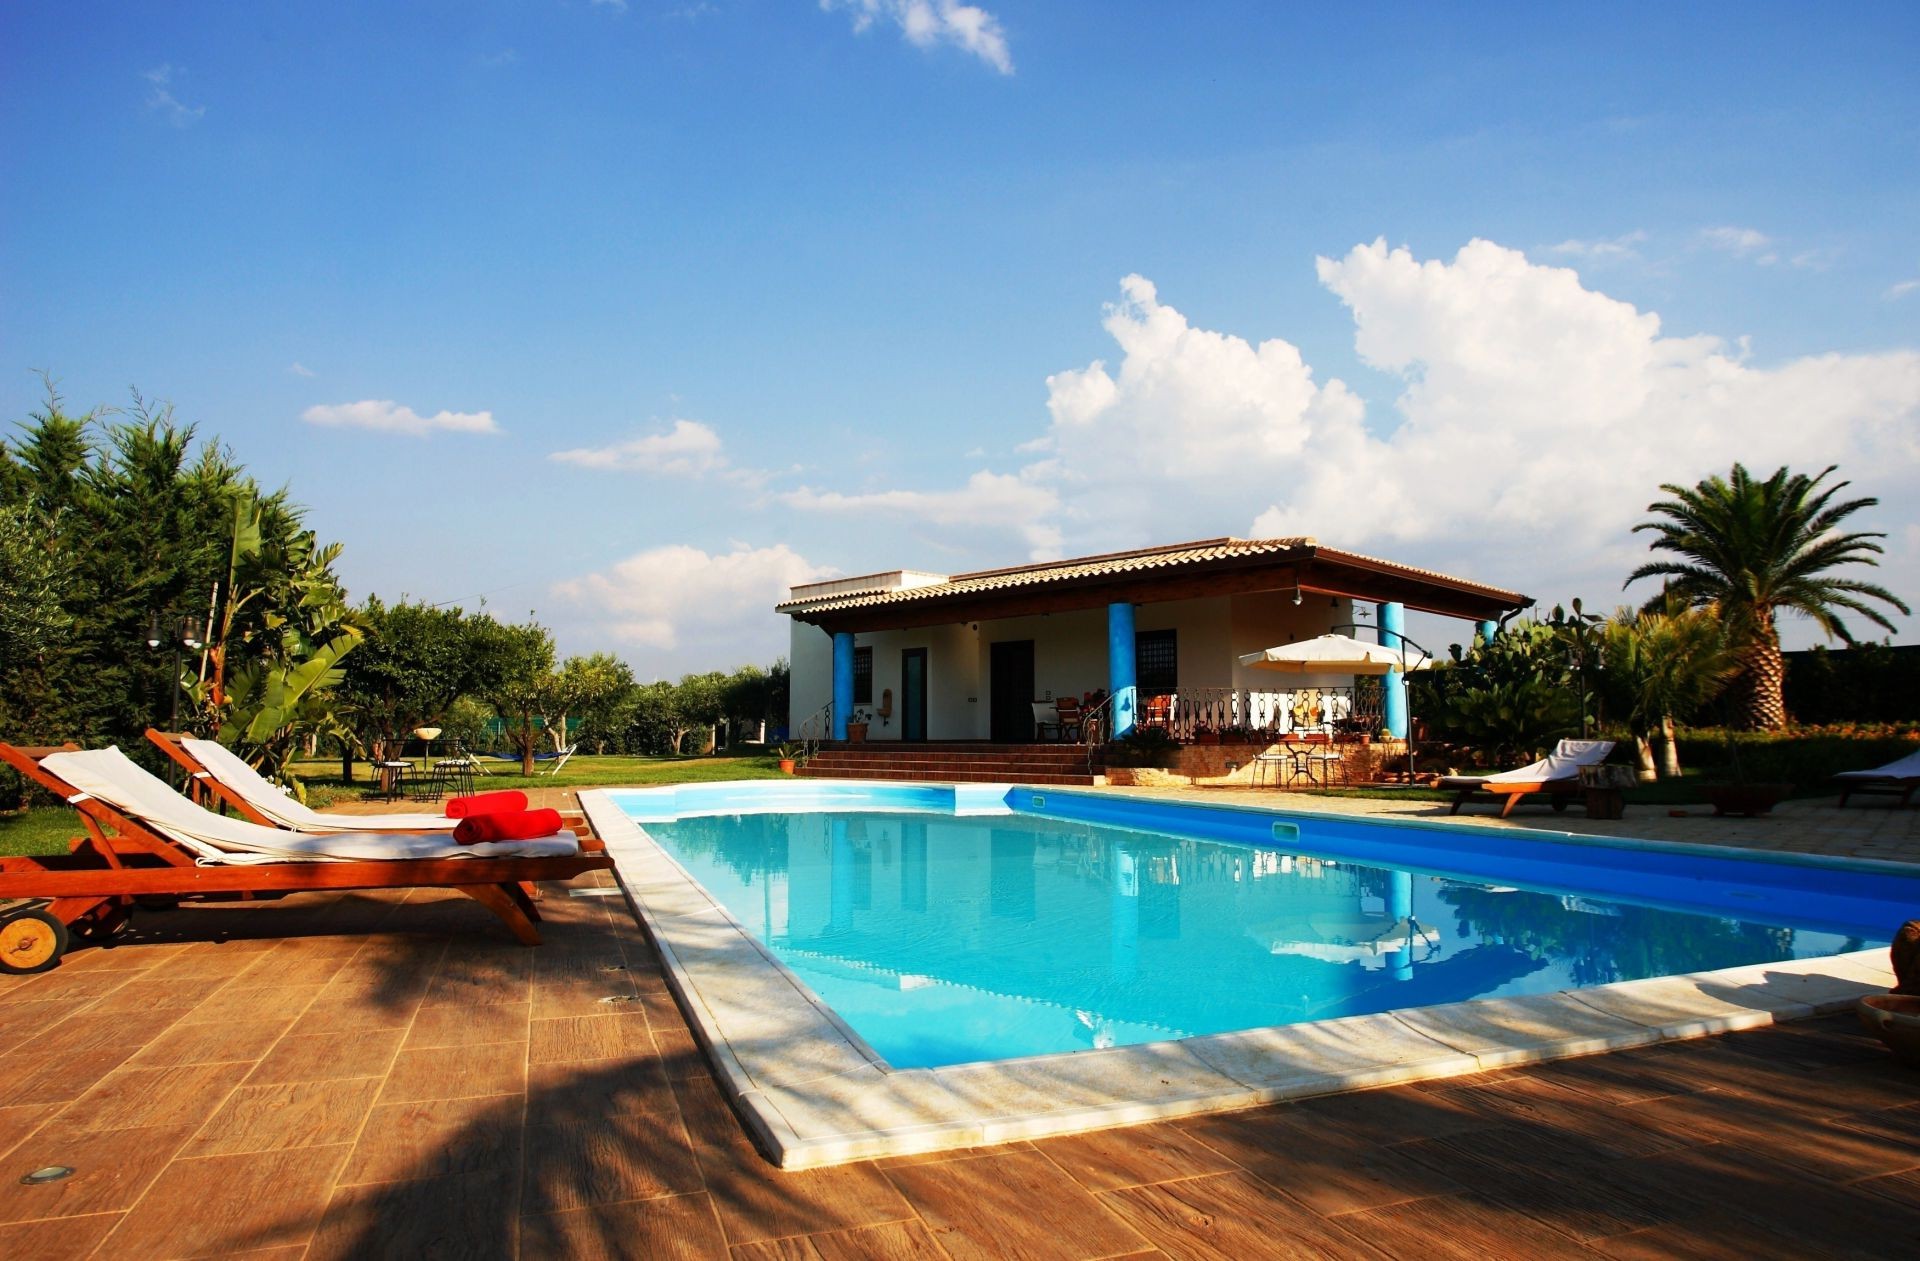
(986, 1209)
(254, 1002)
(135, 1098)
(291, 1114)
(146, 993)
(573, 1038)
(56, 1239)
(1826, 1148)
(606, 1160)
(468, 1026)
(215, 1205)
(474, 1217)
(1463, 1227)
(1380, 1117)
(1108, 1159)
(1568, 1115)
(1328, 1169)
(328, 1057)
(234, 1042)
(431, 1139)
(559, 1094)
(757, 1201)
(19, 1121)
(111, 1169)
(669, 1228)
(457, 1072)
(1230, 1217)
(893, 1241)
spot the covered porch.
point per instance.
(1136, 639)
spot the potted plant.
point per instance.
(857, 723)
(1204, 734)
(789, 758)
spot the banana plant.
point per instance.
(270, 703)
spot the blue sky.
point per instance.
(811, 288)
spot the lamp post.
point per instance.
(184, 633)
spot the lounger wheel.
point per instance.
(31, 941)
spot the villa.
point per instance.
(1159, 630)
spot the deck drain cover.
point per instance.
(50, 1173)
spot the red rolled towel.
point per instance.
(486, 803)
(512, 825)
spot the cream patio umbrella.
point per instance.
(1342, 654)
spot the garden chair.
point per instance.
(144, 840)
(1557, 775)
(1899, 778)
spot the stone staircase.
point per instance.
(961, 763)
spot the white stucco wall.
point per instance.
(810, 652)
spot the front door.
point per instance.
(1010, 692)
(913, 694)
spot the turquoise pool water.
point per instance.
(944, 939)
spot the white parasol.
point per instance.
(1336, 654)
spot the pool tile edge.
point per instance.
(871, 1110)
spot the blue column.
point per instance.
(1123, 909)
(842, 682)
(1483, 633)
(1392, 620)
(1120, 679)
(839, 877)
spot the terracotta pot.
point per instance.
(856, 732)
(1895, 1020)
(1746, 799)
(786, 766)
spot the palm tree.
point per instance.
(1751, 549)
(1668, 666)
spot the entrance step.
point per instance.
(954, 763)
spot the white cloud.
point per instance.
(1902, 289)
(987, 502)
(718, 606)
(387, 416)
(1536, 419)
(687, 449)
(1607, 249)
(1741, 243)
(618, 6)
(929, 22)
(299, 369)
(161, 100)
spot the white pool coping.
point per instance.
(812, 1093)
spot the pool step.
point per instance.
(953, 763)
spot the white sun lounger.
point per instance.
(260, 799)
(1557, 774)
(1899, 778)
(117, 780)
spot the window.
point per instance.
(863, 676)
(1156, 661)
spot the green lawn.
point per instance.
(38, 831)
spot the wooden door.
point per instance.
(913, 694)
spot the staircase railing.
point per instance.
(1096, 721)
(815, 730)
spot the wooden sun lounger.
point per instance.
(1902, 787)
(1562, 791)
(94, 885)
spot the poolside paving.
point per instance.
(386, 1075)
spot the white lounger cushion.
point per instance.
(259, 792)
(1907, 767)
(114, 778)
(1563, 763)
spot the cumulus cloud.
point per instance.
(1900, 290)
(687, 448)
(387, 416)
(716, 605)
(926, 23)
(162, 101)
(993, 502)
(1535, 419)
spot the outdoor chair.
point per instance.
(1557, 776)
(1900, 778)
(145, 841)
(1061, 717)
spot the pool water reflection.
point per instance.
(946, 940)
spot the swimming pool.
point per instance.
(839, 939)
